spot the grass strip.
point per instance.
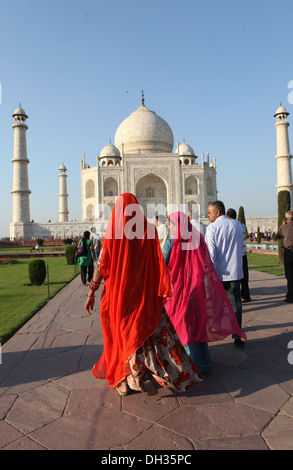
(20, 300)
(265, 263)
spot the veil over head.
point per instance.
(137, 284)
(200, 309)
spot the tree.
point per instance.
(241, 218)
(284, 203)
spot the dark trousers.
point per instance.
(86, 270)
(234, 293)
(288, 265)
(245, 294)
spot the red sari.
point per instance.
(137, 284)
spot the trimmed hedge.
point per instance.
(37, 272)
(69, 253)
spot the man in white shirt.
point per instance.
(224, 238)
(162, 230)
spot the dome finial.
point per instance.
(142, 98)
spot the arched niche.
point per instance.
(110, 187)
(191, 185)
(90, 189)
(90, 213)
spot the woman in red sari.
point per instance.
(139, 340)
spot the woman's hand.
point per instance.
(89, 304)
(94, 286)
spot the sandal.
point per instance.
(123, 389)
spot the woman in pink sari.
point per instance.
(199, 309)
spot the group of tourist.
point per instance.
(266, 235)
(168, 293)
(163, 303)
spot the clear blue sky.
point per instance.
(216, 71)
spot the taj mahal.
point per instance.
(144, 161)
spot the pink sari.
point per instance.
(200, 309)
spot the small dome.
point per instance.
(185, 150)
(110, 151)
(19, 112)
(281, 110)
(62, 167)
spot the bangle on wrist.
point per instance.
(94, 285)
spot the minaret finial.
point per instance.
(142, 98)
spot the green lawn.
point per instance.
(19, 300)
(266, 263)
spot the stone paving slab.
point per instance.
(50, 400)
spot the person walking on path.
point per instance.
(286, 233)
(244, 283)
(163, 230)
(140, 343)
(200, 309)
(85, 261)
(96, 241)
(224, 238)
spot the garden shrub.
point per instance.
(69, 253)
(37, 272)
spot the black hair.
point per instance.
(161, 218)
(86, 237)
(231, 213)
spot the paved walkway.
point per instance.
(49, 398)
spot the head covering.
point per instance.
(200, 309)
(137, 283)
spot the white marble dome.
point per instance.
(186, 150)
(110, 151)
(144, 131)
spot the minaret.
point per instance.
(20, 191)
(283, 157)
(63, 196)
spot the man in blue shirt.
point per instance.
(224, 238)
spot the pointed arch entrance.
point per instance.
(151, 190)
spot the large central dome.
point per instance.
(144, 132)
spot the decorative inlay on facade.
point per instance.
(139, 172)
